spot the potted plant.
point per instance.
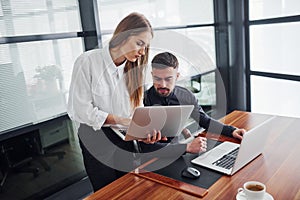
(51, 76)
(48, 73)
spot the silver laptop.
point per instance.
(229, 157)
(170, 120)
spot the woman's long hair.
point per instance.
(133, 24)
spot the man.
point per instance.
(165, 92)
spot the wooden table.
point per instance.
(278, 168)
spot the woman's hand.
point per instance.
(114, 119)
(155, 137)
(124, 121)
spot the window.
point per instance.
(274, 72)
(36, 68)
(39, 43)
(275, 96)
(163, 13)
(186, 31)
(35, 77)
(264, 9)
(274, 48)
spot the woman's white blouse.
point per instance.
(97, 89)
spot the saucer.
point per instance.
(239, 196)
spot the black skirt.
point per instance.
(106, 156)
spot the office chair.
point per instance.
(49, 136)
(15, 156)
(195, 88)
(42, 153)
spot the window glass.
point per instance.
(29, 25)
(35, 78)
(194, 48)
(159, 12)
(70, 22)
(65, 3)
(39, 17)
(203, 87)
(105, 38)
(204, 38)
(281, 94)
(262, 9)
(275, 48)
(19, 7)
(1, 12)
(195, 56)
(2, 28)
(5, 54)
(34, 82)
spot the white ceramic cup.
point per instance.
(253, 190)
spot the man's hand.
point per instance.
(198, 145)
(238, 133)
(155, 137)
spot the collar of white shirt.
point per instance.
(111, 67)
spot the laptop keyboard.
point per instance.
(227, 160)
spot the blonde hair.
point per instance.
(133, 24)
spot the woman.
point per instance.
(106, 86)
